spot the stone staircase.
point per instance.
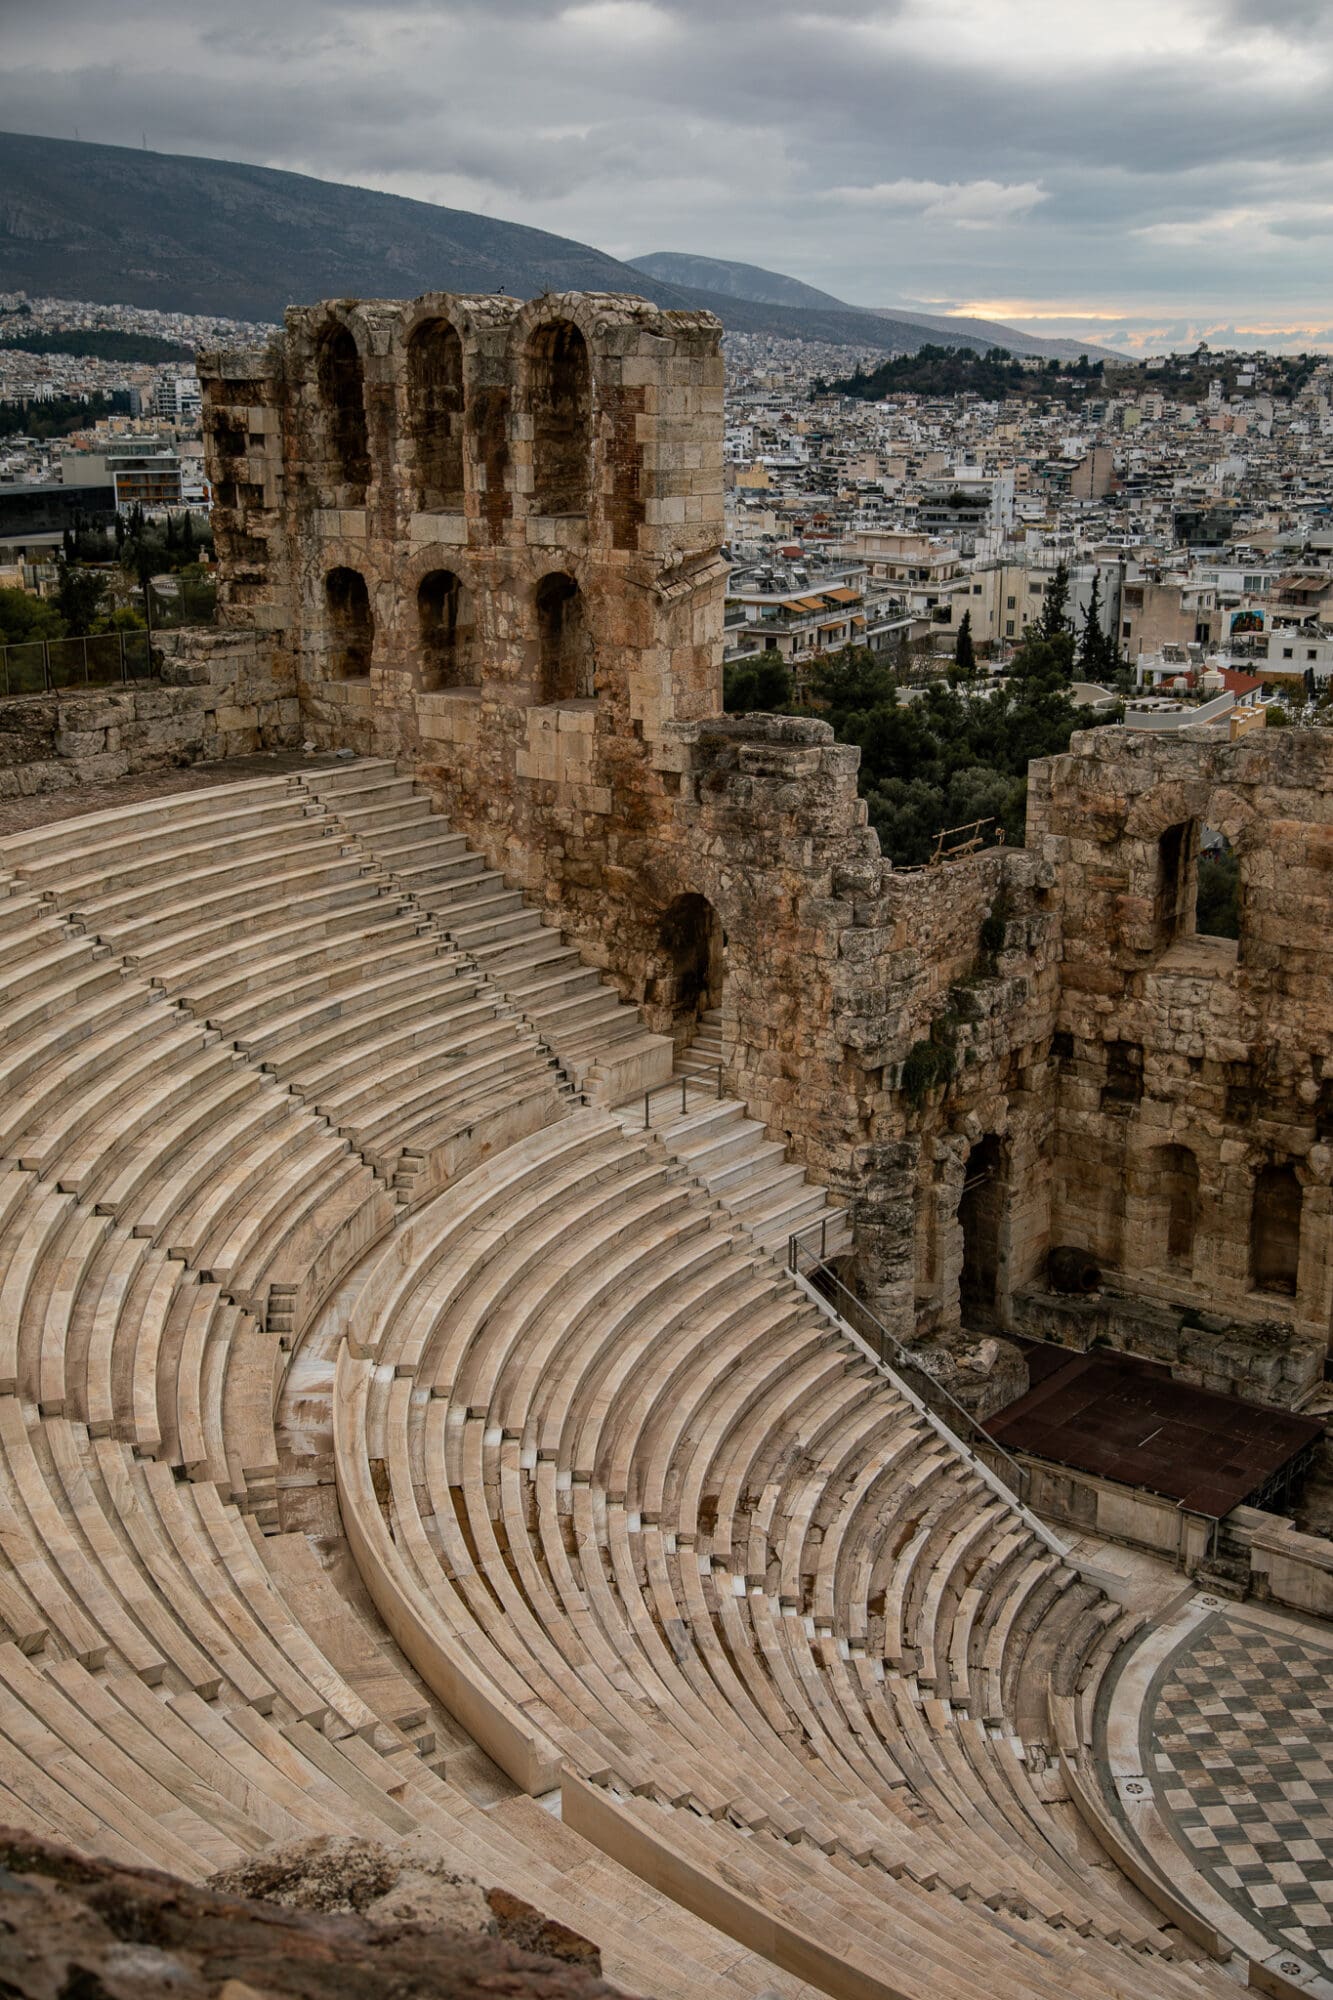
(746, 1173)
(599, 1040)
(703, 1055)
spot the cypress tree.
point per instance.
(1053, 620)
(1092, 648)
(964, 654)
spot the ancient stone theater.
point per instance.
(560, 1315)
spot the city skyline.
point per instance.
(1144, 179)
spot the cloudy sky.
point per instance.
(1142, 172)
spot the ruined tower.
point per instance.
(484, 538)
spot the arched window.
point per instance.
(343, 402)
(560, 402)
(564, 644)
(693, 943)
(435, 414)
(1175, 1189)
(444, 616)
(981, 1212)
(1177, 868)
(1275, 1230)
(351, 625)
(1198, 883)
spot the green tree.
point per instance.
(79, 595)
(850, 681)
(123, 619)
(964, 653)
(758, 686)
(1092, 645)
(24, 617)
(1043, 662)
(1055, 605)
(1217, 903)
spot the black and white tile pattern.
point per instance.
(1239, 1742)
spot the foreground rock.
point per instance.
(339, 1920)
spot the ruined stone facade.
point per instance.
(484, 538)
(1193, 1111)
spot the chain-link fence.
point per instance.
(106, 659)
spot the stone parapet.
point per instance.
(219, 695)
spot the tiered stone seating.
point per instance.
(648, 1525)
(764, 1609)
(744, 1170)
(599, 1039)
(164, 1701)
(248, 907)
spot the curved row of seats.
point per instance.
(640, 1511)
(249, 907)
(182, 1685)
(600, 1039)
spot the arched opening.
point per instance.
(435, 415)
(560, 402)
(1177, 871)
(444, 623)
(351, 625)
(1217, 897)
(1174, 1183)
(565, 667)
(694, 945)
(981, 1213)
(1275, 1230)
(342, 398)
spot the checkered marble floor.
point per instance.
(1239, 1741)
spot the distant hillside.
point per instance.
(736, 281)
(181, 234)
(747, 281)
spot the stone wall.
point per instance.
(485, 538)
(219, 695)
(451, 457)
(1194, 1098)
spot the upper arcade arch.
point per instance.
(435, 414)
(340, 381)
(558, 377)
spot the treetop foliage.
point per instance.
(101, 343)
(58, 416)
(956, 371)
(955, 751)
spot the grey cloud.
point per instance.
(727, 133)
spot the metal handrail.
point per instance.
(891, 1353)
(60, 664)
(670, 1084)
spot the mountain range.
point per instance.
(724, 276)
(186, 234)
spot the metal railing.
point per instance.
(970, 1435)
(670, 1084)
(178, 601)
(52, 666)
(967, 839)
